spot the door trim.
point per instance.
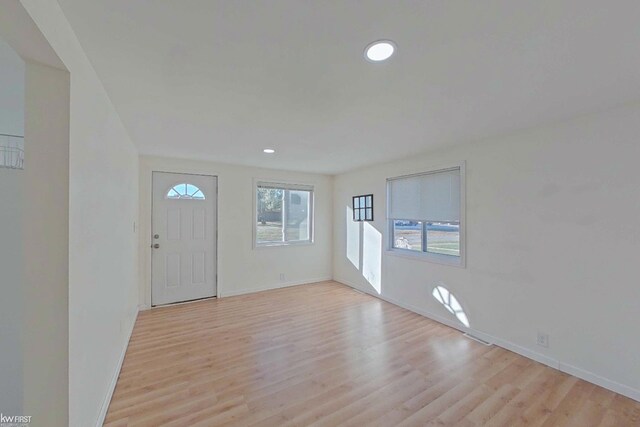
(149, 241)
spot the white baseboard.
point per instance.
(244, 291)
(116, 374)
(234, 292)
(622, 389)
(614, 386)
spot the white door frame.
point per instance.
(150, 237)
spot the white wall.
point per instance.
(552, 244)
(103, 201)
(34, 219)
(11, 295)
(12, 71)
(45, 241)
(241, 268)
(12, 84)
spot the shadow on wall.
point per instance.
(364, 250)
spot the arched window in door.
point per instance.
(185, 191)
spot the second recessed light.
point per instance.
(380, 50)
(269, 150)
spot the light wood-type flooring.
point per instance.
(326, 355)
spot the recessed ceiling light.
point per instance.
(269, 150)
(379, 50)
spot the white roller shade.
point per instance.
(433, 197)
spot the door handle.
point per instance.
(156, 246)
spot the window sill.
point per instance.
(449, 260)
(281, 244)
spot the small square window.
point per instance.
(363, 207)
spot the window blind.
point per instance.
(431, 197)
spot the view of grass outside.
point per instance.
(269, 232)
(443, 242)
(269, 226)
(441, 238)
(271, 203)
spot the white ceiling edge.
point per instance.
(437, 150)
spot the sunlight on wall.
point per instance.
(372, 256)
(450, 302)
(353, 239)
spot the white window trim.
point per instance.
(265, 245)
(449, 260)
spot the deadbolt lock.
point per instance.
(156, 246)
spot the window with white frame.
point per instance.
(284, 214)
(425, 214)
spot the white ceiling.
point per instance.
(221, 80)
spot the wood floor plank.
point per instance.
(326, 355)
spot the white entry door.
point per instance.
(183, 261)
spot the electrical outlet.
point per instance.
(282, 277)
(543, 339)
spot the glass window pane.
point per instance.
(269, 206)
(297, 214)
(443, 238)
(369, 216)
(356, 213)
(185, 191)
(407, 235)
(283, 215)
(191, 189)
(369, 201)
(356, 202)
